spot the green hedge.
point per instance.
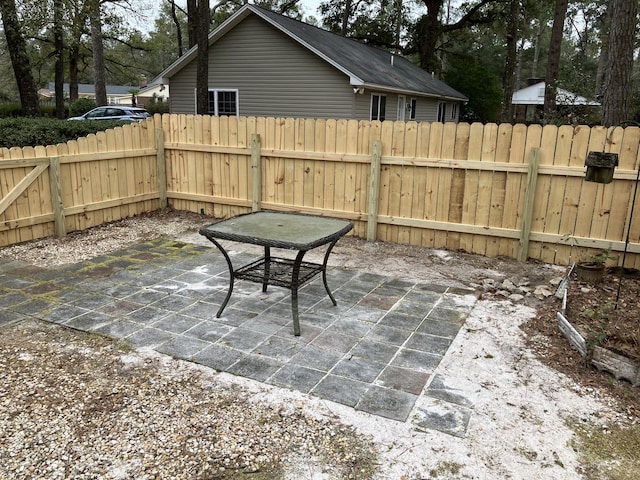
(10, 110)
(23, 132)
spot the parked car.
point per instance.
(115, 114)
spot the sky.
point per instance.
(311, 7)
(151, 9)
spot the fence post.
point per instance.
(161, 168)
(256, 173)
(374, 191)
(55, 186)
(529, 198)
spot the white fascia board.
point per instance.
(414, 93)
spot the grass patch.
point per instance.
(609, 453)
(445, 468)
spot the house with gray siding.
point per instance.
(265, 64)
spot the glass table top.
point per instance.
(276, 229)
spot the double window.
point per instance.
(223, 102)
(409, 106)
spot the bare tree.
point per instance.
(618, 77)
(176, 21)
(553, 60)
(19, 59)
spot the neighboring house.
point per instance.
(265, 64)
(116, 94)
(143, 95)
(529, 101)
(148, 92)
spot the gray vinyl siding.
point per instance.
(274, 76)
(426, 108)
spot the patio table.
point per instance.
(291, 231)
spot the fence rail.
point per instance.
(515, 191)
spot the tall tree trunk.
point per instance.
(344, 27)
(618, 80)
(602, 68)
(19, 59)
(74, 53)
(605, 30)
(536, 51)
(202, 59)
(428, 30)
(58, 43)
(75, 35)
(176, 21)
(398, 27)
(99, 81)
(519, 56)
(553, 61)
(192, 21)
(508, 79)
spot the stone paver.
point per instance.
(377, 351)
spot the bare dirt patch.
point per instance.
(604, 317)
(608, 313)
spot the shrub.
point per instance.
(10, 110)
(156, 105)
(49, 111)
(81, 106)
(22, 132)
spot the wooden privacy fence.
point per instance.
(511, 190)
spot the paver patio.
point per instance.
(376, 351)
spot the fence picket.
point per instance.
(441, 185)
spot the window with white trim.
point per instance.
(378, 106)
(454, 111)
(223, 102)
(442, 108)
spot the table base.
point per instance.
(283, 272)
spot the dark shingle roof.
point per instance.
(365, 65)
(370, 65)
(90, 89)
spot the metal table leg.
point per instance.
(324, 272)
(231, 277)
(295, 274)
(267, 268)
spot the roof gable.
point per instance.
(534, 95)
(365, 66)
(90, 89)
